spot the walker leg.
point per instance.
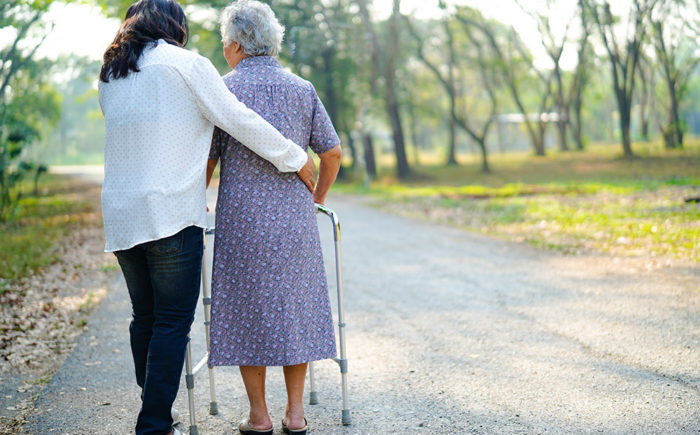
(313, 394)
(213, 406)
(206, 303)
(189, 380)
(342, 361)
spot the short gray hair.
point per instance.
(253, 25)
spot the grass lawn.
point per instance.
(28, 239)
(572, 202)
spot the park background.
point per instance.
(571, 125)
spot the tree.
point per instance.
(27, 101)
(321, 41)
(512, 59)
(580, 77)
(447, 78)
(384, 59)
(554, 46)
(675, 52)
(646, 95)
(624, 59)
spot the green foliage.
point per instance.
(28, 103)
(24, 116)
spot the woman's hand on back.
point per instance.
(307, 173)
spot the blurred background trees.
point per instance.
(29, 102)
(406, 89)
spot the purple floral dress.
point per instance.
(270, 303)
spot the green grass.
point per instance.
(570, 202)
(28, 240)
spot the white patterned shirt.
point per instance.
(159, 125)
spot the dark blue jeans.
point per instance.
(163, 278)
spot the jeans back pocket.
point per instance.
(167, 245)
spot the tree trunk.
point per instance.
(578, 130)
(625, 127)
(674, 121)
(451, 157)
(353, 150)
(538, 144)
(644, 103)
(673, 133)
(330, 102)
(484, 156)
(539, 136)
(369, 155)
(625, 112)
(392, 109)
(413, 129)
(392, 105)
(580, 77)
(563, 120)
(677, 123)
(561, 129)
(452, 145)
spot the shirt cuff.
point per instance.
(297, 158)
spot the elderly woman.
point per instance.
(270, 302)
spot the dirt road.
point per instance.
(448, 332)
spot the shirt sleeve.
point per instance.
(323, 134)
(218, 141)
(223, 109)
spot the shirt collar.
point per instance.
(257, 61)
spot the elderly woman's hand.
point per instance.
(307, 174)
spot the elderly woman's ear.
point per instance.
(233, 53)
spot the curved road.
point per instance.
(448, 332)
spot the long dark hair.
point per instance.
(146, 21)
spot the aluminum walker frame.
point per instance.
(206, 303)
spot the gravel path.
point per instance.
(448, 332)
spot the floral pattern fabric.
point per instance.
(270, 304)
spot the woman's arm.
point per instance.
(327, 172)
(224, 110)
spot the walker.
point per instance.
(206, 302)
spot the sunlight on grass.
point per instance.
(570, 202)
(28, 239)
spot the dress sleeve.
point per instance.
(223, 109)
(323, 135)
(218, 141)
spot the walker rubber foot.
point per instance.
(313, 398)
(193, 430)
(346, 417)
(213, 408)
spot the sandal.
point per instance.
(300, 431)
(245, 429)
